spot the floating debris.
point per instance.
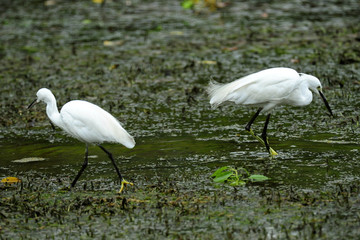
(113, 43)
(176, 33)
(10, 180)
(208, 62)
(29, 159)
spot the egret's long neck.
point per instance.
(53, 112)
(301, 96)
(306, 93)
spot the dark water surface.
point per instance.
(153, 78)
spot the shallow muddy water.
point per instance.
(148, 63)
(308, 163)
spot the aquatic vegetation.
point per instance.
(236, 177)
(148, 63)
(170, 209)
(201, 5)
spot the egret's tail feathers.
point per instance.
(123, 137)
(128, 141)
(216, 94)
(132, 144)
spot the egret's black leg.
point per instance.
(263, 138)
(52, 125)
(248, 126)
(112, 160)
(122, 180)
(82, 168)
(264, 135)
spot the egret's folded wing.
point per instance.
(253, 89)
(90, 123)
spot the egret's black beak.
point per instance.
(326, 103)
(32, 104)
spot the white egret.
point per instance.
(267, 89)
(88, 123)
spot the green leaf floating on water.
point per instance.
(258, 178)
(232, 177)
(187, 4)
(219, 171)
(222, 174)
(223, 177)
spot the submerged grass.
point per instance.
(171, 208)
(148, 63)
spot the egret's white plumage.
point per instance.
(86, 122)
(267, 89)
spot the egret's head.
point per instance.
(44, 95)
(314, 83)
(315, 86)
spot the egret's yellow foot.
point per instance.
(123, 183)
(272, 151)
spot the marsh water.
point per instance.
(309, 161)
(148, 63)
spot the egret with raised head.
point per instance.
(266, 90)
(88, 123)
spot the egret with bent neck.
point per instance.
(266, 90)
(88, 123)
